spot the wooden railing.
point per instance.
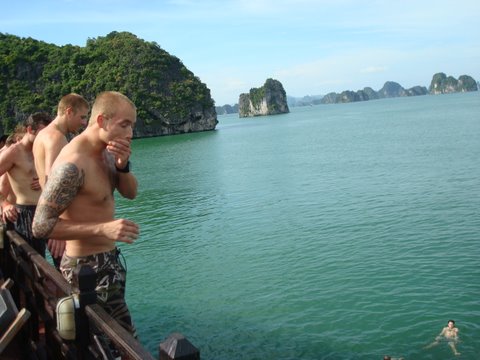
(38, 286)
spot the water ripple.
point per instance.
(315, 235)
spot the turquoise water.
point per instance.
(344, 231)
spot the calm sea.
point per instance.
(345, 231)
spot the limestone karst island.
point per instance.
(440, 84)
(170, 99)
(270, 99)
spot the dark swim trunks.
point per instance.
(23, 226)
(111, 281)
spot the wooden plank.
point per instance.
(14, 328)
(42, 264)
(124, 341)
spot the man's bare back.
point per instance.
(72, 112)
(48, 140)
(71, 116)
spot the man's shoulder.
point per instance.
(12, 151)
(16, 156)
(73, 154)
(49, 136)
(7, 157)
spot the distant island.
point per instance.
(440, 84)
(270, 99)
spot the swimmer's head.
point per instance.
(451, 322)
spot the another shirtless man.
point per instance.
(450, 334)
(78, 205)
(17, 162)
(72, 114)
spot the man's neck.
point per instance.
(61, 126)
(95, 145)
(26, 142)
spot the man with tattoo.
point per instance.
(78, 205)
(17, 162)
(72, 115)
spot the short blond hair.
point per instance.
(107, 103)
(73, 100)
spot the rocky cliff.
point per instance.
(270, 99)
(170, 99)
(443, 84)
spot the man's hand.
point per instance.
(35, 184)
(121, 230)
(9, 212)
(56, 247)
(120, 148)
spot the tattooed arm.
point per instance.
(59, 192)
(61, 188)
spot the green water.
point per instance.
(344, 231)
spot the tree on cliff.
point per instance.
(170, 99)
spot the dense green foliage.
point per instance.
(34, 75)
(256, 96)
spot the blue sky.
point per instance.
(311, 46)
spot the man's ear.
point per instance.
(30, 130)
(101, 121)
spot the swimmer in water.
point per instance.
(449, 333)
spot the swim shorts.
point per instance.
(111, 281)
(23, 226)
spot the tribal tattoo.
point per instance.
(61, 188)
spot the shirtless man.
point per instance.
(72, 115)
(449, 333)
(78, 205)
(7, 196)
(17, 162)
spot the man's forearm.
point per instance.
(68, 230)
(127, 185)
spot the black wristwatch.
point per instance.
(126, 169)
